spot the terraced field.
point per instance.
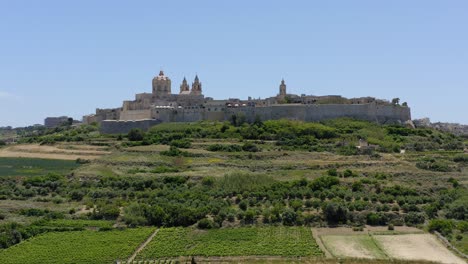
(59, 151)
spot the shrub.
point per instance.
(243, 205)
(205, 224)
(323, 182)
(250, 147)
(225, 148)
(413, 218)
(461, 158)
(175, 152)
(442, 226)
(164, 169)
(181, 143)
(377, 219)
(332, 172)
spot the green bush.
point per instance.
(224, 148)
(135, 134)
(442, 226)
(250, 147)
(181, 143)
(461, 158)
(205, 224)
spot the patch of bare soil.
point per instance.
(416, 247)
(349, 246)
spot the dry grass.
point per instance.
(72, 152)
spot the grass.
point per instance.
(76, 247)
(462, 244)
(254, 241)
(358, 244)
(34, 167)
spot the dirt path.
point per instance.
(142, 246)
(319, 242)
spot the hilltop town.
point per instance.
(190, 105)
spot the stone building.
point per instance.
(190, 105)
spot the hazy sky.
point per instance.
(70, 57)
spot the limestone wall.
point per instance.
(123, 127)
(135, 114)
(383, 114)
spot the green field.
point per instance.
(33, 167)
(358, 246)
(76, 247)
(266, 241)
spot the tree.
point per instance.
(405, 104)
(396, 101)
(289, 217)
(335, 213)
(135, 134)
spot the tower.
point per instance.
(196, 86)
(161, 85)
(184, 87)
(282, 88)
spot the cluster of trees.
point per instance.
(332, 135)
(62, 133)
(248, 198)
(339, 135)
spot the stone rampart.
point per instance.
(123, 127)
(382, 114)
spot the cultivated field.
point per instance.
(404, 244)
(76, 247)
(268, 241)
(34, 166)
(229, 193)
(353, 246)
(416, 247)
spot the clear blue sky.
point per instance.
(69, 57)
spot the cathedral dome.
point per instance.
(161, 76)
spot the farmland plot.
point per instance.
(271, 241)
(416, 247)
(76, 247)
(354, 246)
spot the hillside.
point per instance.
(200, 181)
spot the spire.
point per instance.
(161, 73)
(196, 86)
(184, 86)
